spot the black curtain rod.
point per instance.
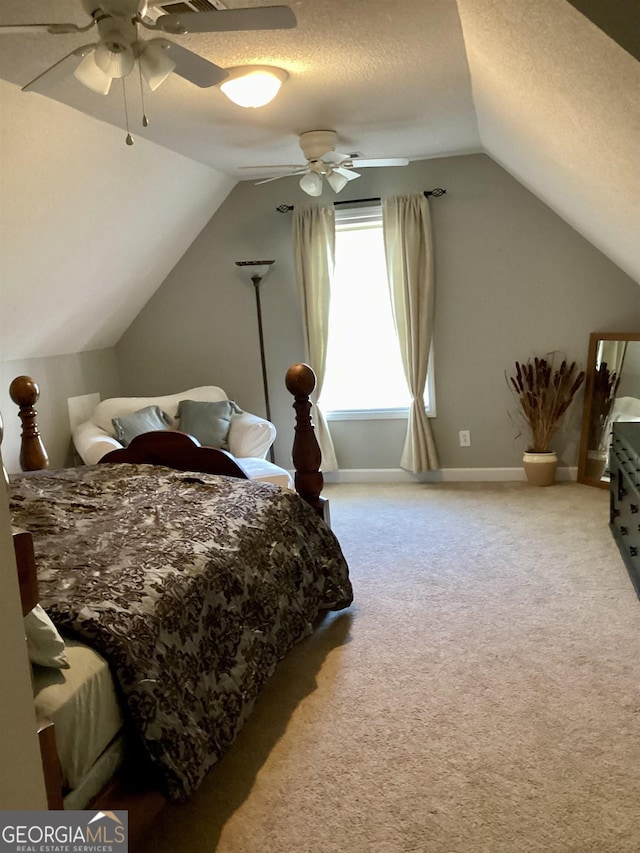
(287, 208)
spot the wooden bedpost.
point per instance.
(24, 392)
(307, 458)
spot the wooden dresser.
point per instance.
(624, 492)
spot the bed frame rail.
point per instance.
(177, 450)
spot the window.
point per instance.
(364, 375)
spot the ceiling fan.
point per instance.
(119, 47)
(323, 161)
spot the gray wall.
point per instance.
(58, 378)
(512, 279)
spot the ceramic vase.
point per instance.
(540, 467)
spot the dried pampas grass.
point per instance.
(545, 391)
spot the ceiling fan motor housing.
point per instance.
(316, 143)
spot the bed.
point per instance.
(177, 591)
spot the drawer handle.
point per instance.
(633, 551)
(615, 513)
(624, 531)
(633, 507)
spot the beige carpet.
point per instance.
(481, 696)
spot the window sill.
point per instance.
(370, 415)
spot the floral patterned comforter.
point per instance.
(192, 586)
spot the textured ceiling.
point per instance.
(535, 84)
(558, 106)
(390, 78)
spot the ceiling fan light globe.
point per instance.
(92, 76)
(337, 182)
(115, 59)
(253, 86)
(311, 183)
(155, 64)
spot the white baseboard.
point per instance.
(443, 475)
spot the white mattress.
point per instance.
(81, 702)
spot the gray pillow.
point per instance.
(149, 419)
(208, 422)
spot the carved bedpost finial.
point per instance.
(24, 392)
(307, 458)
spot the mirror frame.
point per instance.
(594, 337)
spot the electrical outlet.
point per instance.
(465, 438)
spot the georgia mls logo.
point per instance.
(101, 836)
(63, 832)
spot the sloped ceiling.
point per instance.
(558, 106)
(90, 227)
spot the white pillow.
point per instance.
(44, 643)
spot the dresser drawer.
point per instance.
(624, 490)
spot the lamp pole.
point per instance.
(259, 273)
(256, 279)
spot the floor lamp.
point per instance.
(258, 270)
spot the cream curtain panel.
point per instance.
(314, 239)
(407, 237)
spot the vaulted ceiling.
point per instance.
(535, 84)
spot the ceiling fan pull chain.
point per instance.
(145, 120)
(128, 139)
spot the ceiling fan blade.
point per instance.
(334, 157)
(277, 177)
(54, 29)
(61, 69)
(389, 161)
(295, 166)
(227, 20)
(194, 68)
(349, 174)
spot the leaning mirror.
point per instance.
(612, 393)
